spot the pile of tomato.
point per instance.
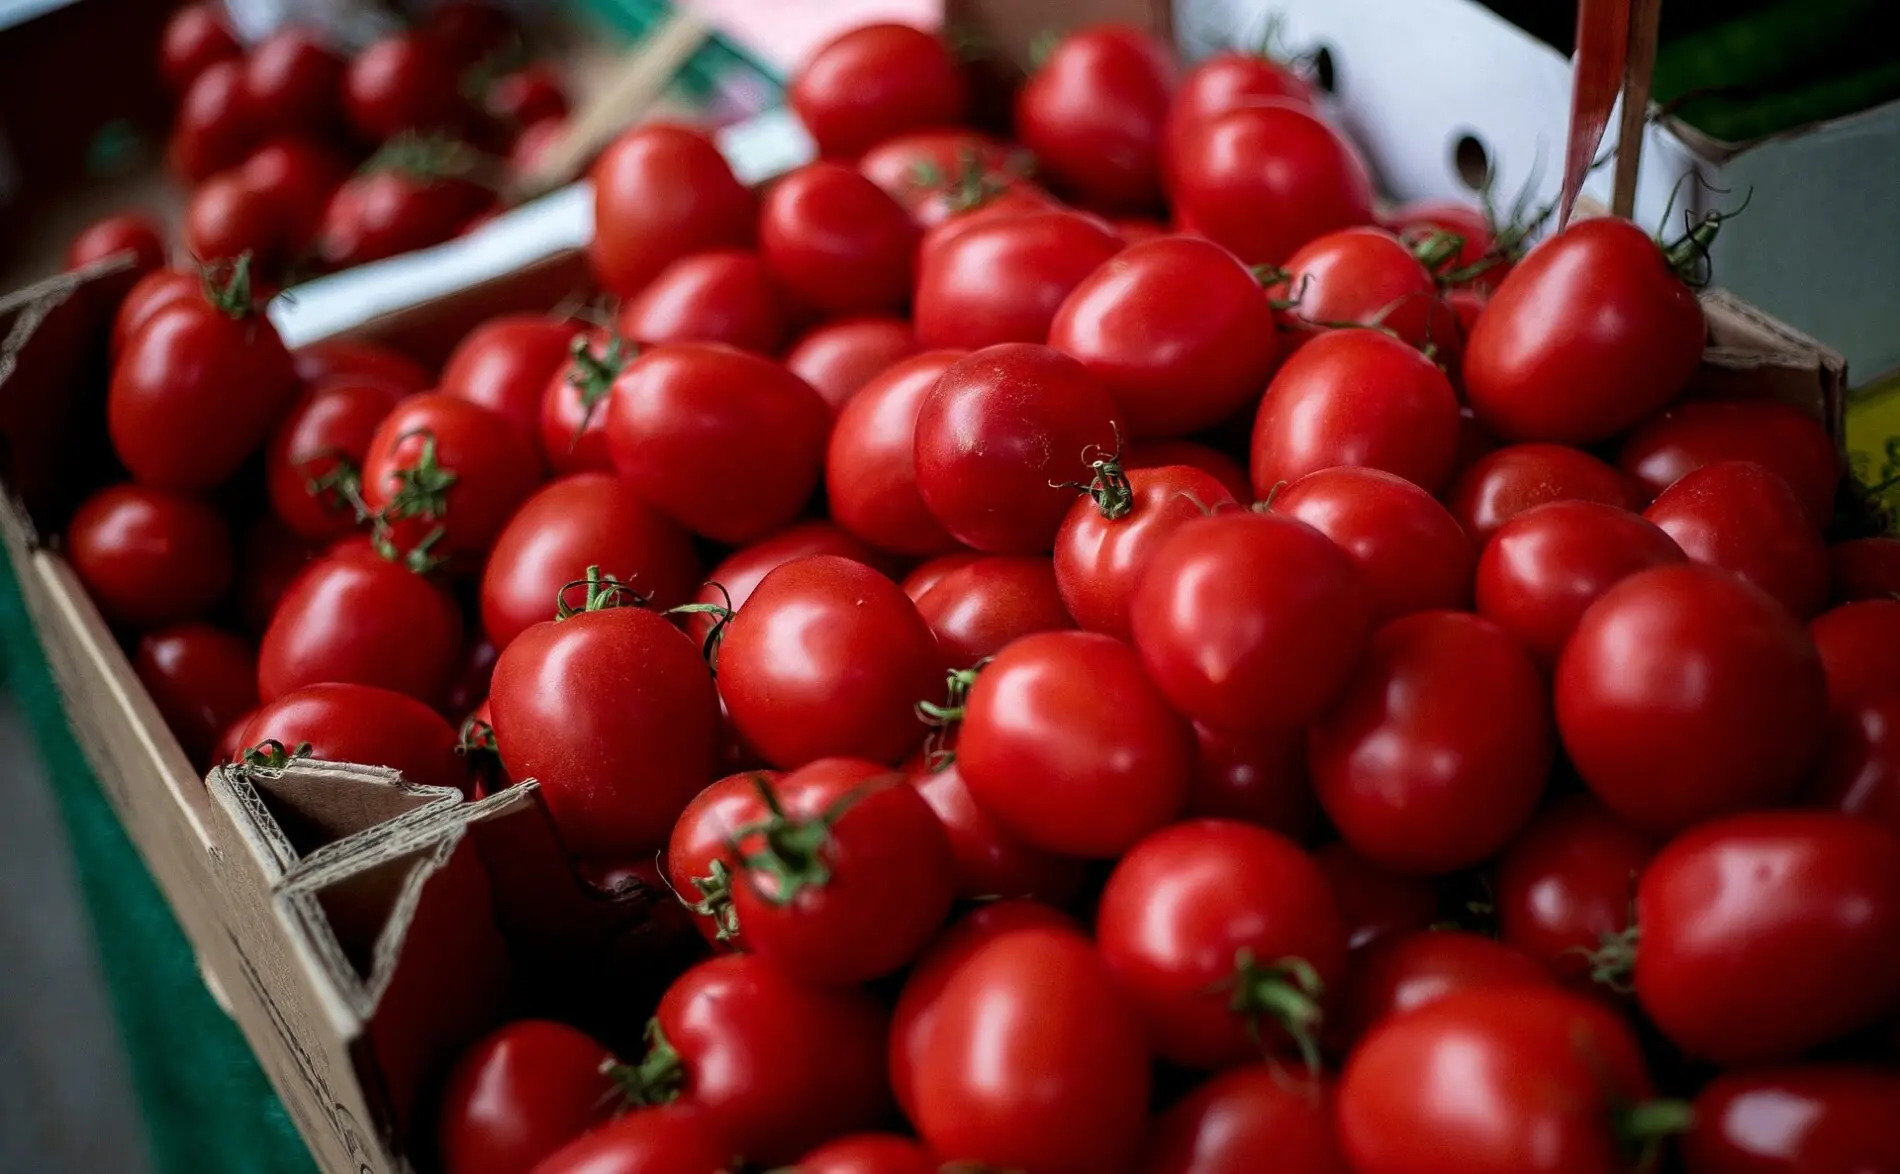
(1131, 657)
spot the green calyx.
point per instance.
(715, 901)
(593, 374)
(422, 486)
(270, 757)
(792, 853)
(227, 286)
(1286, 992)
(603, 592)
(943, 719)
(1613, 962)
(1436, 248)
(721, 613)
(1642, 1128)
(658, 1079)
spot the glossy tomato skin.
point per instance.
(1002, 425)
(1365, 276)
(1250, 622)
(1225, 81)
(495, 467)
(364, 620)
(1375, 904)
(216, 124)
(337, 360)
(1174, 365)
(722, 296)
(1068, 745)
(1595, 374)
(194, 39)
(660, 193)
(126, 232)
(979, 608)
(1777, 436)
(1568, 884)
(574, 405)
(383, 213)
(1411, 553)
(835, 242)
(201, 678)
(1098, 558)
(1503, 484)
(941, 175)
(701, 844)
(299, 176)
(871, 459)
(1861, 772)
(1003, 277)
(727, 443)
(1093, 113)
(1859, 645)
(875, 82)
(403, 82)
(1686, 693)
(1407, 971)
(1797, 1119)
(1807, 902)
(1865, 568)
(987, 862)
(589, 519)
(869, 1153)
(1258, 1117)
(227, 216)
(732, 582)
(149, 557)
(1543, 568)
(150, 294)
(363, 724)
(1741, 517)
(519, 1094)
(505, 365)
(325, 435)
(839, 358)
(671, 1139)
(296, 79)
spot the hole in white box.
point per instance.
(1471, 160)
(1323, 75)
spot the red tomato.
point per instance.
(1374, 903)
(216, 125)
(1174, 364)
(828, 657)
(1250, 622)
(127, 232)
(875, 82)
(526, 96)
(701, 857)
(1861, 773)
(1223, 936)
(727, 443)
(446, 475)
(520, 1093)
(1503, 484)
(339, 361)
(1744, 519)
(386, 211)
(1480, 254)
(1245, 1120)
(984, 605)
(1410, 552)
(228, 216)
(1408, 971)
(1032, 1060)
(313, 463)
(505, 365)
(361, 724)
(589, 519)
(1859, 645)
(869, 1153)
(201, 678)
(1111, 534)
(1363, 277)
(298, 177)
(724, 296)
(1093, 112)
(1781, 438)
(1262, 180)
(574, 407)
(988, 862)
(941, 175)
(1356, 397)
(674, 1139)
(1068, 746)
(930, 572)
(870, 464)
(1686, 693)
(1567, 885)
(731, 583)
(149, 557)
(1156, 454)
(1000, 439)
(295, 81)
(195, 38)
(841, 357)
(1764, 935)
(151, 293)
(363, 620)
(835, 242)
(1259, 779)
(1543, 568)
(1002, 277)
(1436, 755)
(1865, 568)
(403, 82)
(1536, 369)
(661, 192)
(1227, 80)
(1800, 1119)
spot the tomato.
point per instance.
(388, 210)
(1536, 369)
(940, 175)
(1783, 439)
(988, 862)
(1503, 484)
(216, 125)
(870, 462)
(195, 38)
(869, 1153)
(1374, 903)
(588, 519)
(835, 242)
(1001, 438)
(1259, 779)
(1436, 754)
(1512, 1080)
(1861, 773)
(149, 557)
(701, 855)
(1411, 554)
(201, 678)
(1408, 971)
(1227, 80)
(197, 388)
(1481, 260)
(1092, 113)
(1764, 935)
(875, 82)
(1865, 568)
(660, 193)
(506, 363)
(727, 443)
(828, 658)
(295, 80)
(979, 608)
(1031, 1059)
(731, 583)
(532, 145)
(1686, 693)
(573, 406)
(841, 357)
(403, 82)
(228, 216)
(1068, 745)
(1543, 568)
(520, 1093)
(1156, 454)
(1568, 884)
(1800, 1119)
(272, 558)
(155, 291)
(467, 31)
(1258, 1117)
(1002, 277)
(340, 361)
(1174, 365)
(363, 620)
(313, 461)
(297, 177)
(1741, 517)
(932, 571)
(526, 96)
(1250, 622)
(1262, 180)
(446, 475)
(723, 296)
(1111, 534)
(674, 1139)
(359, 723)
(1356, 397)
(1363, 277)
(1859, 645)
(127, 232)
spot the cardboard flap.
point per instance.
(1752, 355)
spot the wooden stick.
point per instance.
(1645, 24)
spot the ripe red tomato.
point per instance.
(127, 232)
(1503, 484)
(1175, 365)
(1686, 693)
(446, 476)
(1859, 645)
(723, 296)
(194, 39)
(1777, 436)
(201, 678)
(313, 462)
(340, 361)
(874, 83)
(1155, 454)
(1356, 397)
(1031, 1059)
(157, 290)
(1861, 773)
(519, 1094)
(342, 722)
(1262, 180)
(1416, 221)
(1865, 568)
(216, 125)
(1807, 902)
(1223, 937)
(228, 216)
(1374, 903)
(1227, 80)
(1364, 277)
(827, 658)
(661, 192)
(1260, 1117)
(870, 463)
(927, 573)
(385, 211)
(1259, 779)
(567, 526)
(295, 81)
(1001, 277)
(869, 1153)
(727, 443)
(1408, 971)
(672, 1139)
(1795, 1119)
(731, 583)
(1111, 534)
(988, 862)
(1093, 113)
(1250, 622)
(1436, 754)
(574, 403)
(835, 242)
(149, 557)
(1568, 883)
(1536, 369)
(403, 82)
(1741, 517)
(1068, 745)
(1543, 568)
(1001, 437)
(977, 609)
(298, 177)
(364, 620)
(505, 365)
(526, 96)
(1411, 554)
(939, 176)
(701, 856)
(841, 357)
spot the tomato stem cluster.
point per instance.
(270, 757)
(593, 375)
(658, 1079)
(1287, 992)
(603, 592)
